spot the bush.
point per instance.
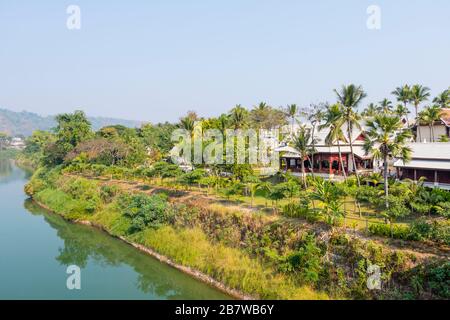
(145, 211)
(108, 193)
(84, 190)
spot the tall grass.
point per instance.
(190, 247)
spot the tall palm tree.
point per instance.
(316, 117)
(334, 120)
(386, 106)
(386, 138)
(238, 116)
(443, 99)
(403, 95)
(350, 97)
(292, 111)
(419, 94)
(429, 116)
(402, 111)
(302, 143)
(371, 110)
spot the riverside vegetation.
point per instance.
(276, 237)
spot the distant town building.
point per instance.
(326, 158)
(440, 128)
(429, 160)
(17, 143)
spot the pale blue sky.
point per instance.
(154, 60)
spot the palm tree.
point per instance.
(334, 120)
(419, 94)
(385, 137)
(403, 95)
(315, 117)
(238, 116)
(371, 110)
(302, 142)
(429, 116)
(386, 106)
(443, 99)
(402, 111)
(350, 97)
(291, 111)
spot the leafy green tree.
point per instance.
(3, 140)
(386, 138)
(350, 97)
(72, 128)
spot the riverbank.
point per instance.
(189, 271)
(252, 255)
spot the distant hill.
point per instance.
(24, 123)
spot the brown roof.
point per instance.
(445, 116)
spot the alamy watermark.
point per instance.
(73, 21)
(231, 146)
(374, 20)
(374, 278)
(74, 279)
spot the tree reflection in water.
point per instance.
(84, 244)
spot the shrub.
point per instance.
(145, 211)
(108, 193)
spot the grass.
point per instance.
(231, 266)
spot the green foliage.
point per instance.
(145, 211)
(418, 231)
(306, 261)
(192, 177)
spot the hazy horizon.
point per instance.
(155, 61)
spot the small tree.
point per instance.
(251, 184)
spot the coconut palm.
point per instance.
(316, 117)
(350, 97)
(403, 95)
(418, 95)
(402, 111)
(334, 120)
(386, 106)
(302, 142)
(386, 138)
(371, 110)
(443, 99)
(292, 111)
(429, 116)
(238, 117)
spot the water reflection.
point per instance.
(84, 245)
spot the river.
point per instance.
(36, 248)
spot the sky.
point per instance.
(154, 60)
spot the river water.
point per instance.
(36, 248)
